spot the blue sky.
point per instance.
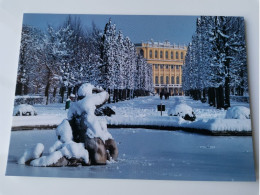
(176, 29)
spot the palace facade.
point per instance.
(167, 61)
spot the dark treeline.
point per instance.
(215, 64)
(54, 63)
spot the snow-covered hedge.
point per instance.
(27, 99)
(182, 110)
(238, 112)
(24, 110)
(239, 98)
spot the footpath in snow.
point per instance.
(142, 112)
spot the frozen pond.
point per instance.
(150, 154)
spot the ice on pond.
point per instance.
(151, 154)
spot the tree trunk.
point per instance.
(62, 91)
(220, 97)
(109, 92)
(18, 90)
(114, 96)
(212, 96)
(54, 93)
(204, 93)
(120, 94)
(227, 93)
(47, 92)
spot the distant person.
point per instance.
(161, 95)
(167, 96)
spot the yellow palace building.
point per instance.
(167, 61)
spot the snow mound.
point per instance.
(64, 131)
(182, 110)
(85, 89)
(238, 112)
(68, 150)
(31, 153)
(24, 110)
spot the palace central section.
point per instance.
(167, 61)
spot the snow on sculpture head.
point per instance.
(85, 89)
(87, 101)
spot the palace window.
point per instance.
(172, 66)
(166, 54)
(167, 80)
(151, 53)
(161, 66)
(181, 55)
(156, 80)
(171, 55)
(177, 80)
(167, 66)
(177, 67)
(156, 66)
(172, 79)
(156, 54)
(161, 54)
(161, 80)
(177, 55)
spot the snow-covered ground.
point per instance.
(143, 111)
(149, 154)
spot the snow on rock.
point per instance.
(68, 150)
(64, 131)
(75, 150)
(238, 112)
(45, 161)
(32, 153)
(24, 110)
(182, 110)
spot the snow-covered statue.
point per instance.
(83, 138)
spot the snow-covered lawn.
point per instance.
(142, 111)
(149, 154)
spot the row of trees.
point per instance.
(55, 62)
(216, 64)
